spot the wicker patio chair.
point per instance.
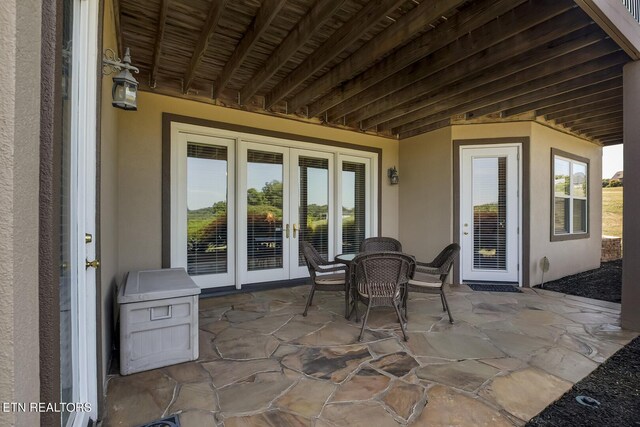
(379, 279)
(325, 276)
(379, 244)
(429, 277)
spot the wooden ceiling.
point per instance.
(395, 67)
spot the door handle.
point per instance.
(92, 264)
(295, 230)
(286, 233)
(466, 233)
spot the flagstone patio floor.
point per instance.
(506, 357)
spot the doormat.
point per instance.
(172, 421)
(483, 287)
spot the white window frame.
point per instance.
(572, 160)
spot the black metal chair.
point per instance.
(430, 277)
(325, 276)
(379, 244)
(379, 279)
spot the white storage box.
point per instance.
(158, 319)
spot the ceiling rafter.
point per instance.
(580, 101)
(521, 18)
(590, 108)
(263, 19)
(397, 34)
(461, 23)
(155, 63)
(321, 11)
(543, 43)
(350, 32)
(210, 26)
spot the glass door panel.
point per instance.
(312, 205)
(354, 204)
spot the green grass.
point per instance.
(612, 211)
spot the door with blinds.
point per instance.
(490, 206)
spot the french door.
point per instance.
(285, 197)
(78, 361)
(490, 206)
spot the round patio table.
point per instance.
(347, 259)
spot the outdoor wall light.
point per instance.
(392, 173)
(125, 87)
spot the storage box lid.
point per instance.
(148, 285)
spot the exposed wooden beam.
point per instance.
(308, 25)
(600, 70)
(210, 25)
(592, 119)
(514, 91)
(155, 63)
(597, 128)
(118, 27)
(596, 78)
(563, 98)
(461, 23)
(508, 58)
(611, 139)
(592, 107)
(583, 101)
(525, 16)
(266, 14)
(397, 34)
(590, 115)
(350, 32)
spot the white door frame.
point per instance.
(83, 211)
(514, 237)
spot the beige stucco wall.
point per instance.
(573, 256)
(140, 169)
(19, 174)
(426, 193)
(108, 197)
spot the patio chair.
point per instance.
(325, 276)
(379, 244)
(429, 277)
(379, 279)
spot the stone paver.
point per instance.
(263, 364)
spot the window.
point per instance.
(570, 196)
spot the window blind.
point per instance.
(313, 209)
(354, 205)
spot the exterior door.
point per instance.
(78, 362)
(489, 222)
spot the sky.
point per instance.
(611, 160)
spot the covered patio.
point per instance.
(261, 363)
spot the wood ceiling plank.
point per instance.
(515, 89)
(350, 32)
(397, 34)
(308, 25)
(510, 57)
(447, 32)
(157, 49)
(508, 25)
(583, 101)
(210, 25)
(592, 113)
(589, 119)
(594, 79)
(591, 107)
(263, 19)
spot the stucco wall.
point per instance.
(140, 169)
(108, 197)
(426, 193)
(572, 256)
(19, 174)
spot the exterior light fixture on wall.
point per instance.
(392, 173)
(125, 87)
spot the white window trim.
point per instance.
(571, 197)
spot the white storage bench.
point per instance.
(158, 319)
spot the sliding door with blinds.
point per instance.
(204, 209)
(490, 214)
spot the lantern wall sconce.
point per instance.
(392, 173)
(125, 87)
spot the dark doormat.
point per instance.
(609, 396)
(488, 287)
(172, 421)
